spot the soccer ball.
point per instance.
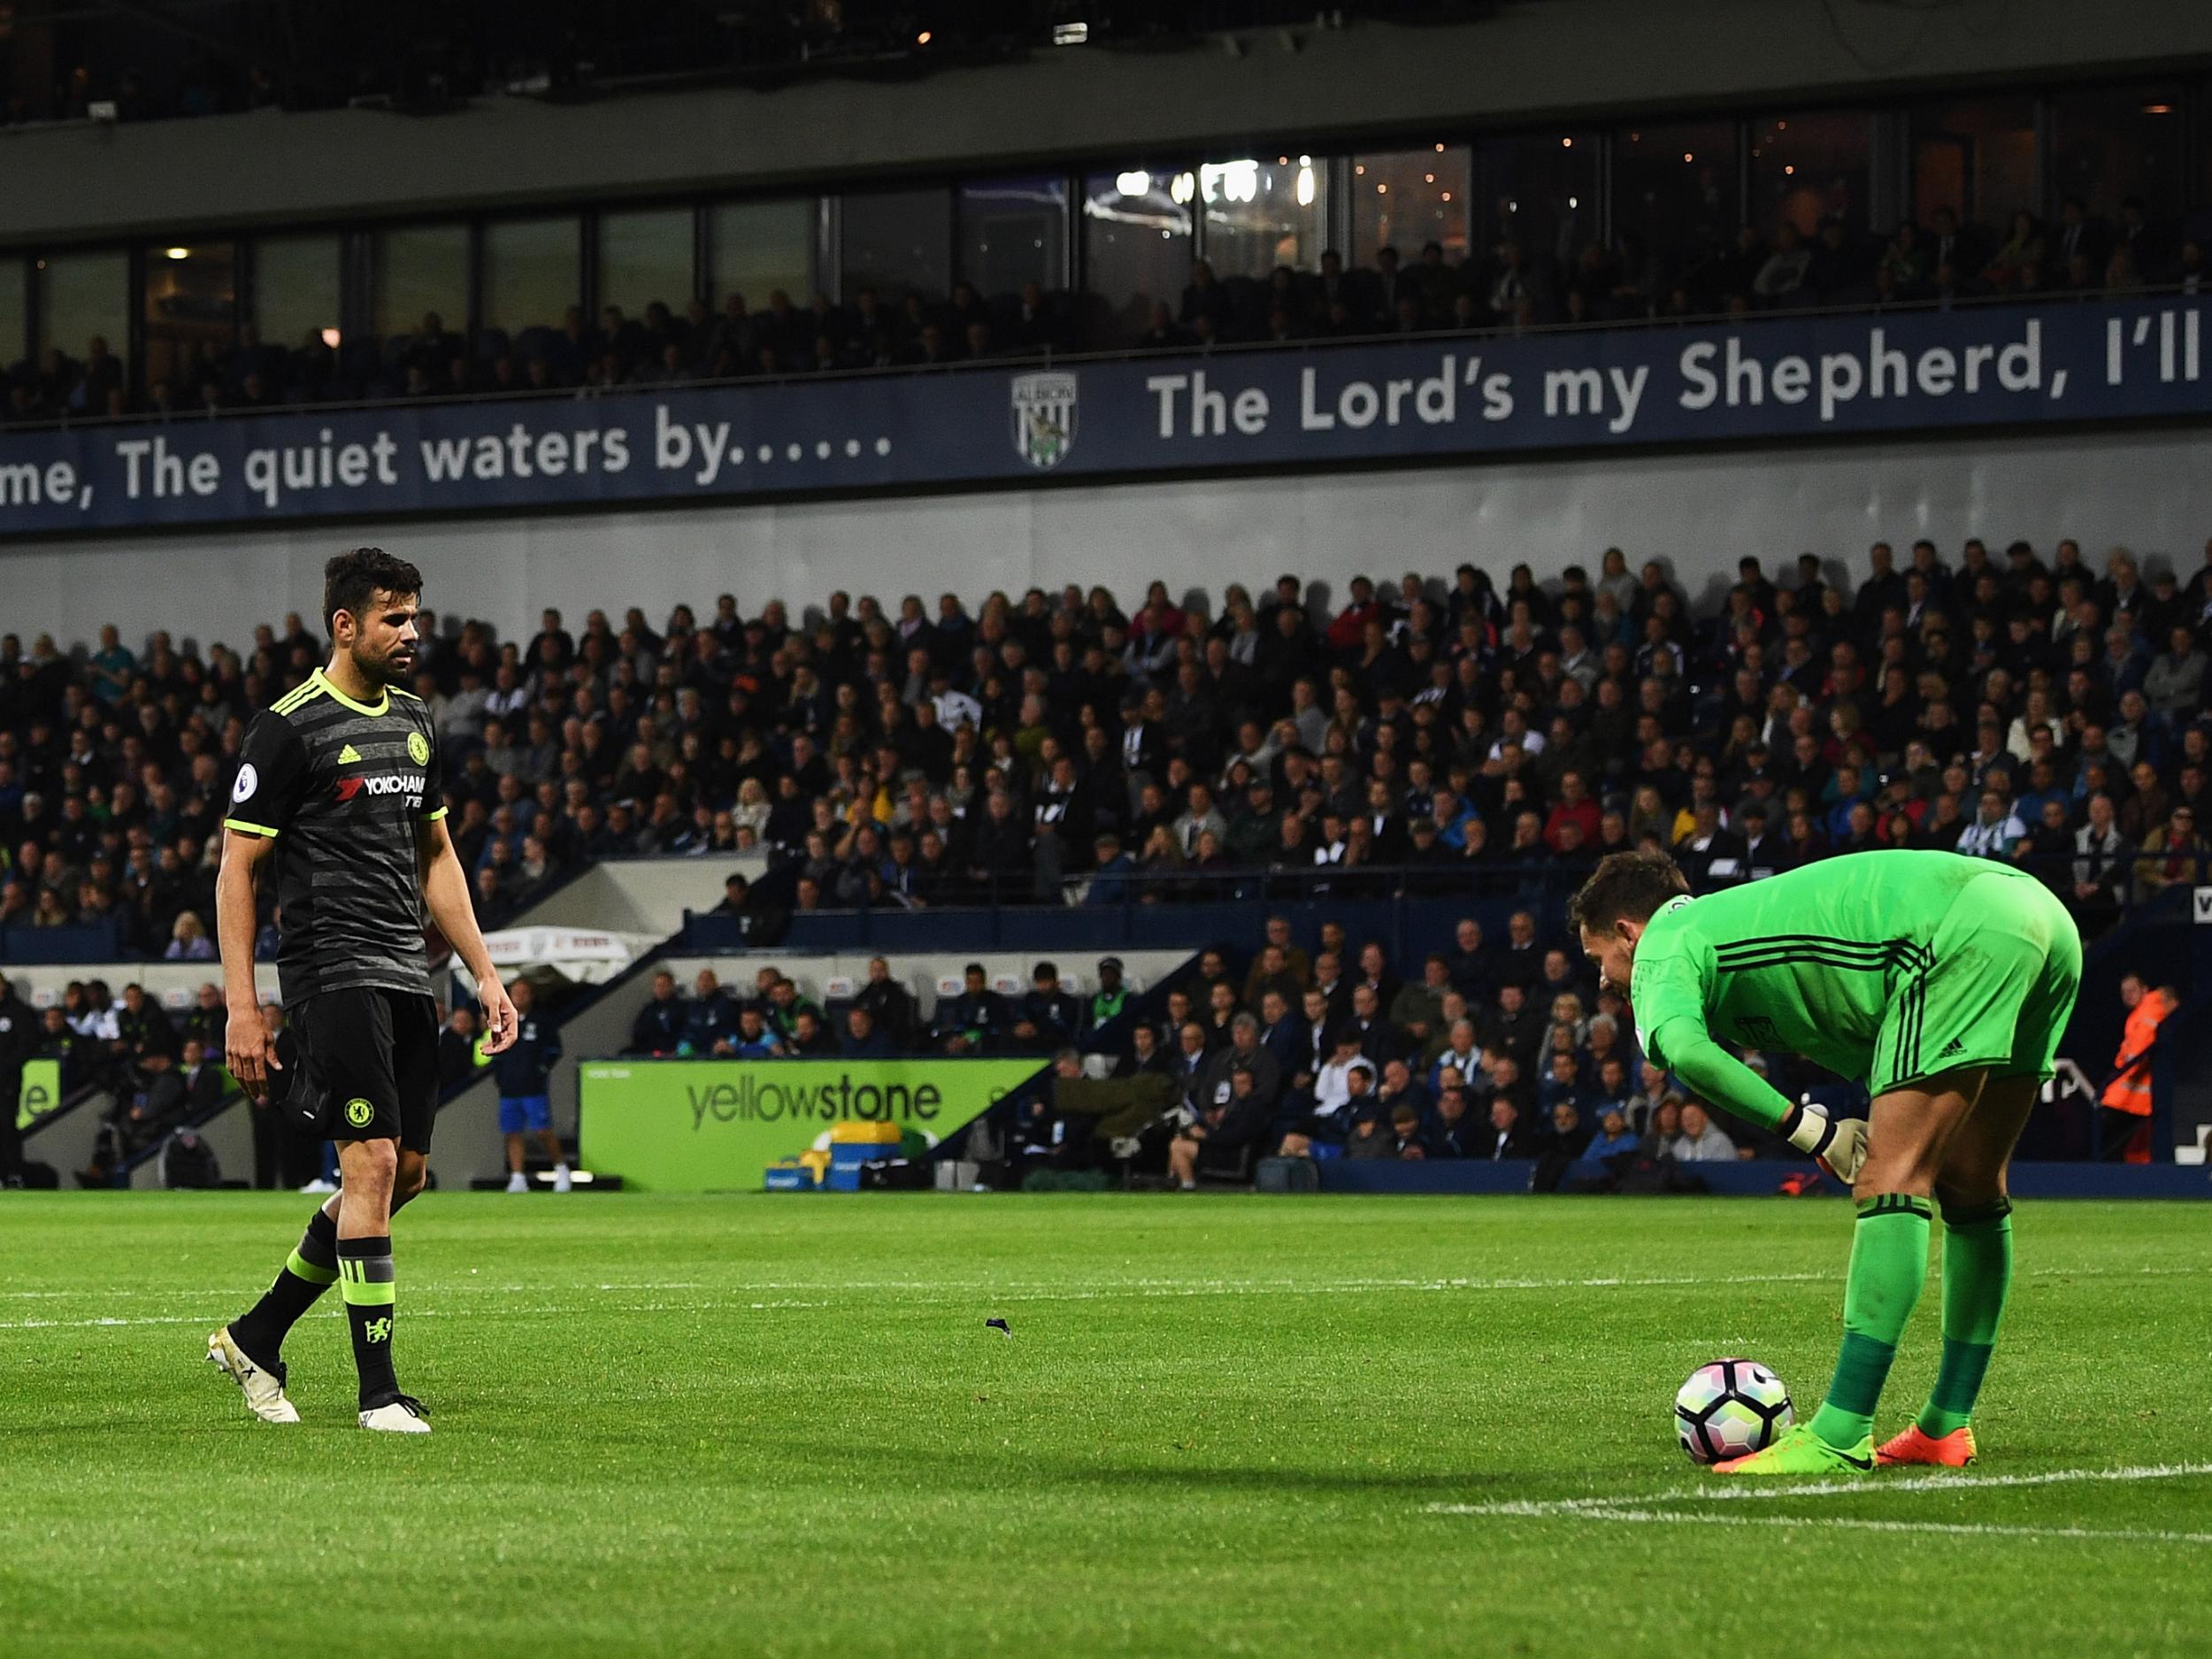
(1729, 1409)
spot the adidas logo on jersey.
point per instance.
(1949, 1049)
(348, 756)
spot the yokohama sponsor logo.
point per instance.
(389, 783)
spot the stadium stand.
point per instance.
(1431, 738)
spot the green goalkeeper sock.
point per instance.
(1976, 1275)
(1889, 1263)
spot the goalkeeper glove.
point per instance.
(1838, 1144)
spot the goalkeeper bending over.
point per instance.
(1944, 983)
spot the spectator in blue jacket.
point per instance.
(752, 1040)
(659, 1027)
(523, 1071)
(1110, 885)
(1282, 1032)
(712, 1018)
(864, 1038)
(1613, 1138)
(1562, 1082)
(1449, 1131)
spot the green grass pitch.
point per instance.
(1222, 1425)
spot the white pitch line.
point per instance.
(1139, 1288)
(1636, 1510)
(1685, 1518)
(1951, 1482)
(1741, 1491)
(532, 1311)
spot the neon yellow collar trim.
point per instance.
(382, 706)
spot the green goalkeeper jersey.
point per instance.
(1811, 961)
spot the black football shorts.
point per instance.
(368, 1060)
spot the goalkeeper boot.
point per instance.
(1916, 1445)
(262, 1385)
(1803, 1452)
(401, 1414)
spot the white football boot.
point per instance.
(561, 1181)
(402, 1415)
(518, 1182)
(264, 1388)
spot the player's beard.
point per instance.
(388, 670)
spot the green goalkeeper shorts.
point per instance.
(1994, 987)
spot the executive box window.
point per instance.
(530, 273)
(758, 247)
(893, 242)
(1261, 212)
(418, 271)
(1408, 198)
(296, 289)
(81, 296)
(1976, 157)
(1676, 192)
(2111, 142)
(1540, 191)
(15, 310)
(1137, 241)
(644, 256)
(1013, 231)
(1807, 167)
(190, 310)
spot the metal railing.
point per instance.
(1535, 880)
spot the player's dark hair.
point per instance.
(354, 577)
(1625, 887)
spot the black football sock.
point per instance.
(365, 1280)
(312, 1269)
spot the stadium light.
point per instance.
(1230, 181)
(178, 253)
(922, 39)
(1134, 183)
(331, 338)
(1305, 187)
(1071, 34)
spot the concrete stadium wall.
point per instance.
(229, 1135)
(66, 1141)
(1533, 61)
(2149, 489)
(641, 896)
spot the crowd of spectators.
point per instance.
(1501, 1048)
(158, 1069)
(1492, 1048)
(1699, 272)
(1507, 285)
(1434, 736)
